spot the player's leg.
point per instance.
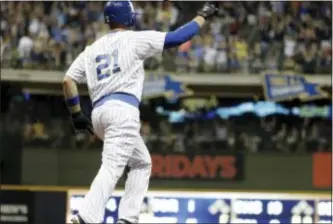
(136, 184)
(121, 128)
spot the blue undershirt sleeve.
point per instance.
(181, 35)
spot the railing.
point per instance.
(239, 79)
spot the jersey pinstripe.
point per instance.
(114, 62)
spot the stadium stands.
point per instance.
(250, 37)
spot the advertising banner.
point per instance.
(198, 167)
(17, 206)
(219, 207)
(279, 87)
(164, 85)
(322, 170)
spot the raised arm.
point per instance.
(189, 30)
(151, 43)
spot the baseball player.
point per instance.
(113, 68)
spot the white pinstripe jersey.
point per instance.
(114, 63)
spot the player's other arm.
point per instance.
(189, 30)
(74, 75)
(71, 94)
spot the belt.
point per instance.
(125, 97)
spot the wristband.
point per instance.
(73, 101)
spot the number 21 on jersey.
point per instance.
(107, 64)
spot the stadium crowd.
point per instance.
(44, 122)
(249, 37)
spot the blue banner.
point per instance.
(164, 86)
(278, 87)
(260, 109)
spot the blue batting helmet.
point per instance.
(120, 12)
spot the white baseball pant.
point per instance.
(118, 124)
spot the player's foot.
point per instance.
(123, 221)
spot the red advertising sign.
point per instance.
(179, 166)
(322, 170)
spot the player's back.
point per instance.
(111, 65)
(114, 63)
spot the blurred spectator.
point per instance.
(210, 53)
(271, 62)
(241, 50)
(24, 48)
(166, 15)
(222, 56)
(196, 54)
(292, 139)
(308, 58)
(234, 64)
(289, 46)
(221, 134)
(255, 59)
(39, 136)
